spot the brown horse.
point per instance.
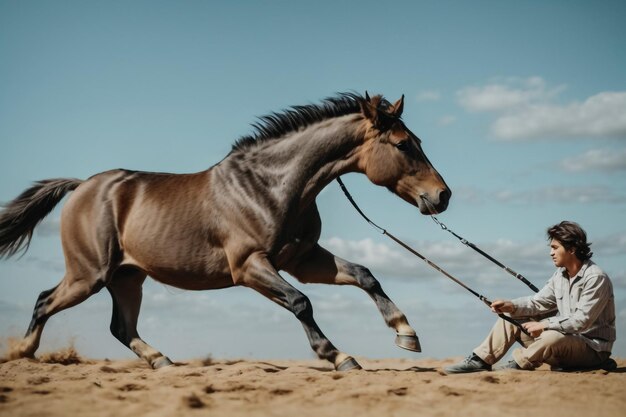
(237, 223)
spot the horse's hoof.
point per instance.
(161, 362)
(19, 352)
(408, 342)
(348, 364)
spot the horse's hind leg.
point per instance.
(321, 266)
(126, 292)
(260, 275)
(68, 293)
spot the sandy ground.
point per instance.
(82, 387)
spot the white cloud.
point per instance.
(48, 264)
(394, 262)
(602, 115)
(619, 279)
(446, 120)
(544, 195)
(505, 94)
(378, 257)
(389, 261)
(611, 245)
(49, 227)
(524, 109)
(469, 194)
(429, 95)
(607, 160)
(567, 195)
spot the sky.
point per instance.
(521, 107)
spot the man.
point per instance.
(579, 335)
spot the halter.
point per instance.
(422, 257)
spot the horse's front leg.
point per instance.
(321, 266)
(259, 274)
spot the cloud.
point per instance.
(524, 109)
(612, 245)
(602, 115)
(46, 264)
(49, 227)
(567, 195)
(606, 160)
(446, 120)
(544, 195)
(394, 262)
(506, 94)
(378, 257)
(619, 279)
(429, 95)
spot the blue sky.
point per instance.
(521, 107)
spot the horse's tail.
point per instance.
(19, 217)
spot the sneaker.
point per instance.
(470, 364)
(609, 365)
(509, 365)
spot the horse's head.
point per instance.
(392, 157)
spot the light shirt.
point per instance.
(585, 305)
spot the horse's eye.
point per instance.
(403, 146)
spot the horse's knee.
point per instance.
(301, 306)
(364, 277)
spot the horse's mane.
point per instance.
(294, 118)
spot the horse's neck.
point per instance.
(301, 164)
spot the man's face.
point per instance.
(560, 256)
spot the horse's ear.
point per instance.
(398, 107)
(368, 109)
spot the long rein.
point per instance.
(428, 261)
(486, 255)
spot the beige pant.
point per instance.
(551, 347)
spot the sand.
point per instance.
(64, 384)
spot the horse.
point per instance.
(238, 223)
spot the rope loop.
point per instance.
(436, 220)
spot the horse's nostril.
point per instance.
(444, 195)
(444, 198)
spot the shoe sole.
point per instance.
(452, 372)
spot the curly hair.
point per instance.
(571, 236)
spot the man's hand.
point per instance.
(535, 328)
(502, 306)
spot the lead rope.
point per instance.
(422, 257)
(486, 255)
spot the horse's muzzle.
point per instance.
(435, 205)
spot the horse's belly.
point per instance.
(193, 268)
(190, 281)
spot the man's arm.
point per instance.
(542, 302)
(535, 328)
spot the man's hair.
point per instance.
(571, 236)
